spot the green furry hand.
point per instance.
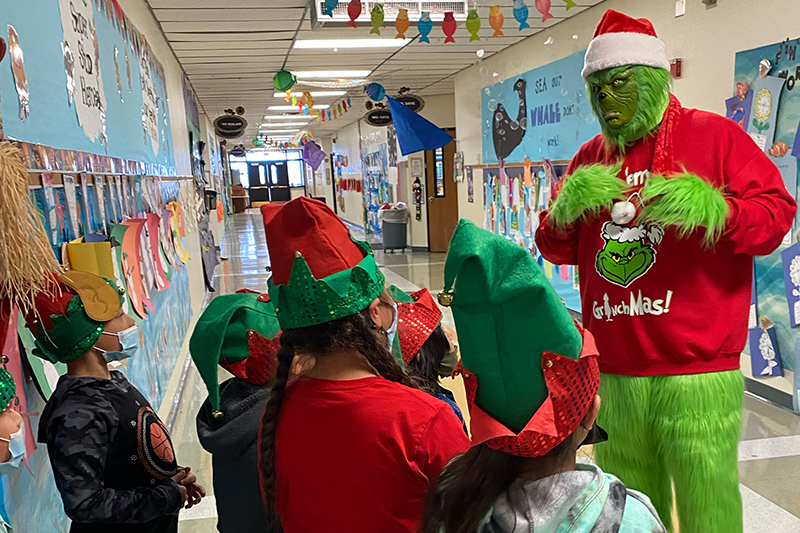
(687, 202)
(586, 192)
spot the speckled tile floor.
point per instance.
(769, 453)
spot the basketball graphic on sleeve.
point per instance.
(155, 447)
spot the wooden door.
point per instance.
(442, 196)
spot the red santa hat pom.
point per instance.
(621, 40)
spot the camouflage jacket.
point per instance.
(111, 455)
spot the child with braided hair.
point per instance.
(350, 444)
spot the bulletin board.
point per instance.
(375, 169)
(774, 338)
(94, 84)
(541, 114)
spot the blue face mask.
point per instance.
(16, 445)
(128, 338)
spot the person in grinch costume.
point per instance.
(663, 212)
(532, 396)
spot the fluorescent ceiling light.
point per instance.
(315, 94)
(332, 73)
(280, 131)
(294, 107)
(349, 43)
(284, 124)
(288, 117)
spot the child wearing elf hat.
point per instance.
(351, 445)
(423, 343)
(531, 377)
(112, 457)
(239, 333)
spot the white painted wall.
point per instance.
(706, 39)
(348, 143)
(139, 13)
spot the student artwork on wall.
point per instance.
(776, 290)
(542, 114)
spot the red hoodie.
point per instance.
(664, 305)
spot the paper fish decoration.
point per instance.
(308, 99)
(521, 14)
(354, 8)
(375, 91)
(401, 23)
(570, 4)
(424, 27)
(339, 107)
(473, 25)
(543, 7)
(344, 105)
(449, 27)
(496, 20)
(330, 5)
(779, 149)
(376, 19)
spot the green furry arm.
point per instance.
(687, 202)
(586, 192)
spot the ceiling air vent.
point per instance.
(437, 9)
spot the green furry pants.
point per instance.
(682, 430)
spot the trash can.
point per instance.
(393, 226)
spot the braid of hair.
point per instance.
(269, 426)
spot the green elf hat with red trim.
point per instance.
(240, 333)
(319, 273)
(530, 372)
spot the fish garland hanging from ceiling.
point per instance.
(521, 14)
(449, 27)
(354, 9)
(401, 23)
(330, 5)
(376, 18)
(543, 7)
(496, 20)
(424, 27)
(473, 25)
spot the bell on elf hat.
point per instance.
(621, 40)
(67, 322)
(319, 273)
(530, 372)
(416, 321)
(240, 333)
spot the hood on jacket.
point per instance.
(584, 500)
(72, 392)
(242, 406)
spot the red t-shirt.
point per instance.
(358, 456)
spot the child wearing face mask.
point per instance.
(12, 430)
(112, 457)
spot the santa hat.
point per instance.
(319, 273)
(416, 321)
(530, 372)
(621, 40)
(238, 332)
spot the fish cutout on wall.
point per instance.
(449, 27)
(354, 9)
(401, 24)
(424, 27)
(376, 19)
(521, 14)
(570, 4)
(543, 7)
(473, 25)
(330, 5)
(496, 20)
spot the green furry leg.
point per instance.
(585, 192)
(632, 452)
(687, 202)
(698, 422)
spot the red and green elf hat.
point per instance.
(67, 321)
(319, 273)
(416, 321)
(529, 371)
(240, 333)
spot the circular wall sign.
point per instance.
(411, 101)
(230, 126)
(378, 117)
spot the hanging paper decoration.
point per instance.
(308, 99)
(334, 113)
(18, 68)
(765, 357)
(344, 105)
(376, 19)
(336, 84)
(323, 116)
(348, 102)
(570, 4)
(521, 14)
(258, 143)
(283, 80)
(496, 20)
(330, 5)
(288, 96)
(294, 100)
(375, 91)
(543, 7)
(414, 132)
(424, 27)
(313, 154)
(339, 107)
(473, 25)
(354, 9)
(401, 23)
(306, 110)
(449, 27)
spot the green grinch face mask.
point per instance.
(615, 95)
